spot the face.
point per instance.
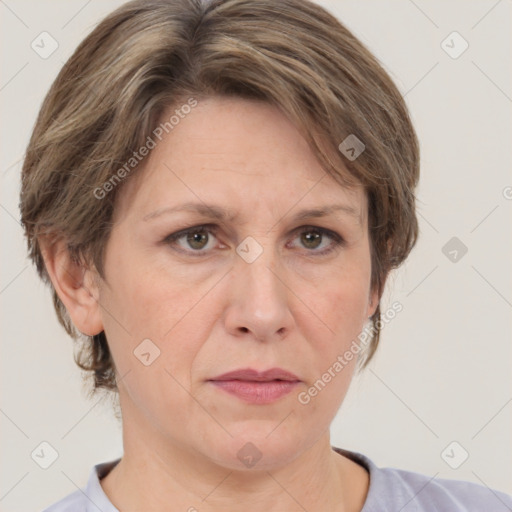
(190, 295)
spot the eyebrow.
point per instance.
(222, 214)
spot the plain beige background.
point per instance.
(442, 372)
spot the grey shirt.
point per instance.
(391, 490)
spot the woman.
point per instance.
(216, 193)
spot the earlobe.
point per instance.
(372, 303)
(76, 286)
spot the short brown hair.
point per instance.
(149, 55)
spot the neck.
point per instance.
(150, 479)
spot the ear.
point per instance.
(373, 302)
(76, 286)
(374, 298)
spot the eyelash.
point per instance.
(338, 241)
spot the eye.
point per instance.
(311, 237)
(196, 239)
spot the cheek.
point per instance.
(155, 351)
(334, 350)
(146, 301)
(349, 301)
(340, 300)
(344, 312)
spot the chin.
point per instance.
(256, 449)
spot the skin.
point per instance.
(214, 312)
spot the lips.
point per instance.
(257, 387)
(248, 374)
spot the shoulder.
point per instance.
(74, 502)
(394, 489)
(90, 498)
(425, 492)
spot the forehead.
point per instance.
(234, 153)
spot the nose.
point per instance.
(259, 299)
